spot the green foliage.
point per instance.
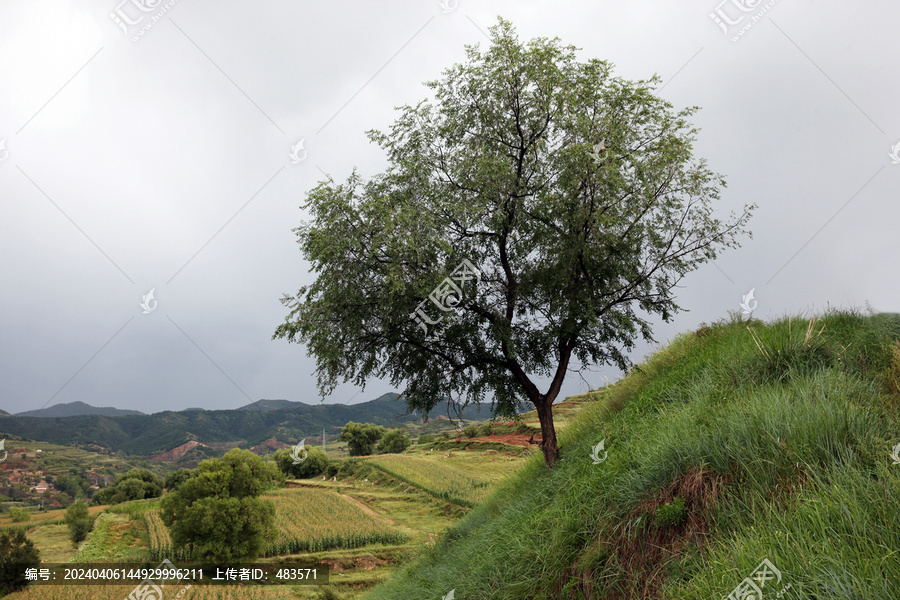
(176, 478)
(17, 553)
(393, 442)
(75, 486)
(361, 437)
(217, 513)
(136, 484)
(314, 464)
(79, 521)
(471, 431)
(673, 513)
(505, 169)
(18, 515)
(425, 439)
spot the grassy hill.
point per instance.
(728, 447)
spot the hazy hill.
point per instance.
(727, 447)
(73, 409)
(163, 431)
(271, 405)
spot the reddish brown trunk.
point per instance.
(548, 431)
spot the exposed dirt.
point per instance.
(177, 452)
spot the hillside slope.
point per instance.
(729, 447)
(160, 432)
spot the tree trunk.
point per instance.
(544, 408)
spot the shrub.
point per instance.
(19, 515)
(471, 431)
(427, 438)
(17, 553)
(79, 521)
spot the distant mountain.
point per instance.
(74, 409)
(157, 433)
(3, 412)
(267, 405)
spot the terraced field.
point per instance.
(433, 477)
(312, 520)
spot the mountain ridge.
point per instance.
(160, 432)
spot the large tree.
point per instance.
(217, 512)
(575, 196)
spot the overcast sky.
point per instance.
(161, 161)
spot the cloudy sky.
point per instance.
(147, 147)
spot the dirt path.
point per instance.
(368, 510)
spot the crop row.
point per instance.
(311, 520)
(434, 478)
(161, 546)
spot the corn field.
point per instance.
(434, 478)
(311, 520)
(161, 546)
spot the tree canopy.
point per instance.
(540, 212)
(361, 437)
(315, 462)
(217, 513)
(136, 484)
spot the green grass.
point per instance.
(775, 439)
(432, 477)
(116, 536)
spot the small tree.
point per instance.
(17, 553)
(217, 513)
(393, 442)
(361, 437)
(79, 521)
(315, 463)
